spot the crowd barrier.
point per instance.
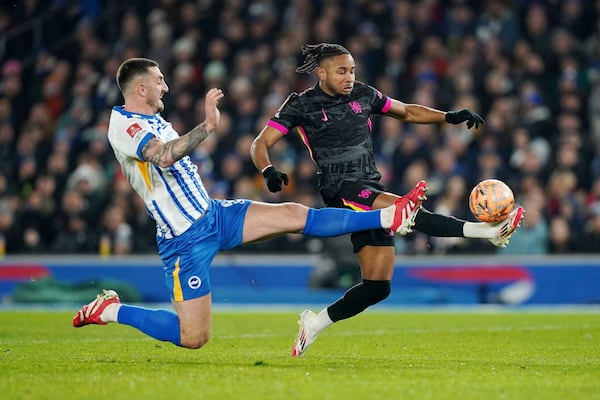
(274, 279)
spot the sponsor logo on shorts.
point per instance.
(365, 194)
(194, 282)
(229, 203)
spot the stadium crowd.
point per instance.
(530, 68)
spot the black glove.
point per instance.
(472, 118)
(273, 178)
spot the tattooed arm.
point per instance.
(165, 154)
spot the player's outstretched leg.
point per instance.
(507, 227)
(407, 208)
(306, 335)
(92, 313)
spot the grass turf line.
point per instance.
(376, 355)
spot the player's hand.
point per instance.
(274, 179)
(211, 109)
(459, 116)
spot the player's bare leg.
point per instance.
(194, 321)
(376, 262)
(266, 220)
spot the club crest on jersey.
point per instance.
(355, 106)
(133, 129)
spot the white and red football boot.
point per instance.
(507, 227)
(407, 207)
(91, 313)
(305, 335)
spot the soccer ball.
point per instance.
(491, 200)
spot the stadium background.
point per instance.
(530, 68)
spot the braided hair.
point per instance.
(314, 53)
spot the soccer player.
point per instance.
(191, 227)
(333, 120)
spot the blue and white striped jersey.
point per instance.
(175, 197)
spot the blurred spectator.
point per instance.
(536, 116)
(533, 236)
(88, 180)
(562, 240)
(562, 196)
(588, 242)
(529, 156)
(72, 206)
(34, 220)
(452, 202)
(11, 87)
(132, 34)
(106, 93)
(7, 150)
(576, 17)
(75, 238)
(498, 21)
(10, 231)
(143, 228)
(38, 213)
(115, 236)
(444, 167)
(537, 28)
(54, 88)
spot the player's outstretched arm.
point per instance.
(419, 114)
(165, 154)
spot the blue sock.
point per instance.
(327, 222)
(160, 324)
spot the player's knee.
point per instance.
(294, 214)
(295, 210)
(376, 291)
(195, 341)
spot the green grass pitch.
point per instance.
(414, 354)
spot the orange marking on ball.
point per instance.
(491, 200)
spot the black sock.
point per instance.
(438, 225)
(359, 297)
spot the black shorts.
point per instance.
(359, 196)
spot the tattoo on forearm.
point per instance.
(165, 153)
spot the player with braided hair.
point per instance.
(333, 120)
(315, 52)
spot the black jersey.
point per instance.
(337, 130)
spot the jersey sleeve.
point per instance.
(380, 103)
(288, 116)
(130, 138)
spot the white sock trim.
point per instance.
(110, 313)
(321, 321)
(386, 216)
(479, 230)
